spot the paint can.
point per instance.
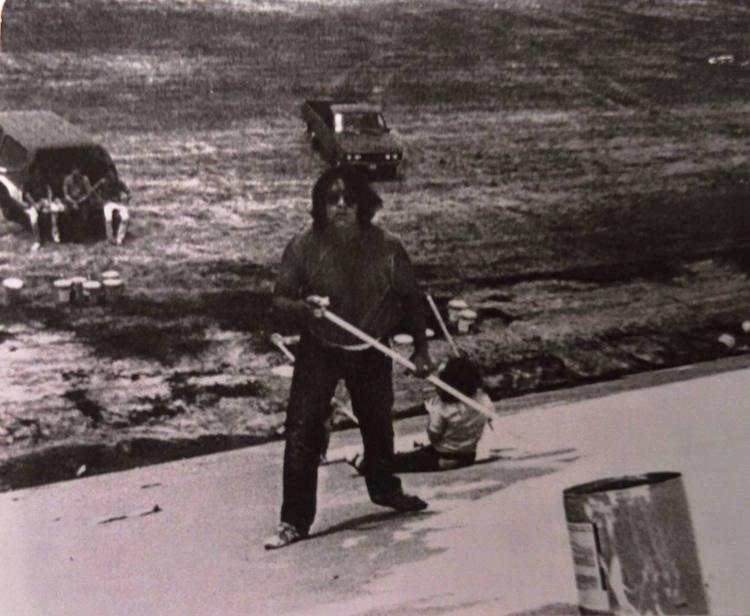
(12, 288)
(92, 292)
(113, 288)
(455, 306)
(633, 546)
(285, 371)
(76, 289)
(63, 288)
(110, 274)
(403, 339)
(466, 320)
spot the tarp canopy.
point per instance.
(42, 129)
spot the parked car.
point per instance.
(44, 141)
(352, 133)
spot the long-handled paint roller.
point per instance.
(443, 328)
(321, 304)
(280, 342)
(322, 311)
(91, 191)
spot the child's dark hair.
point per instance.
(462, 374)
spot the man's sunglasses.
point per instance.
(334, 197)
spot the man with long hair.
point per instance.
(367, 276)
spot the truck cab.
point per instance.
(352, 133)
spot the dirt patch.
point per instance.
(578, 173)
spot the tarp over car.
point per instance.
(39, 149)
(42, 129)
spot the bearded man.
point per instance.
(367, 278)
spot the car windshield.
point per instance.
(362, 122)
(93, 160)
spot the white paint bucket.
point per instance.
(76, 290)
(285, 371)
(455, 306)
(621, 527)
(403, 339)
(110, 275)
(13, 288)
(92, 292)
(113, 288)
(466, 320)
(63, 287)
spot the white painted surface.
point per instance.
(502, 552)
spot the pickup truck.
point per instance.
(352, 133)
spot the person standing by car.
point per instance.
(32, 207)
(79, 197)
(76, 187)
(369, 281)
(116, 196)
(39, 200)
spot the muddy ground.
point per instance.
(577, 171)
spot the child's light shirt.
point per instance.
(454, 427)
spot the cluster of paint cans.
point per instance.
(86, 291)
(460, 317)
(736, 341)
(75, 290)
(407, 339)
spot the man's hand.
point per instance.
(317, 304)
(423, 365)
(298, 310)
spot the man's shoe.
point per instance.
(285, 534)
(400, 502)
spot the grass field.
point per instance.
(578, 170)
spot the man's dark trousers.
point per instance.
(317, 370)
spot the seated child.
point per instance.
(453, 428)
